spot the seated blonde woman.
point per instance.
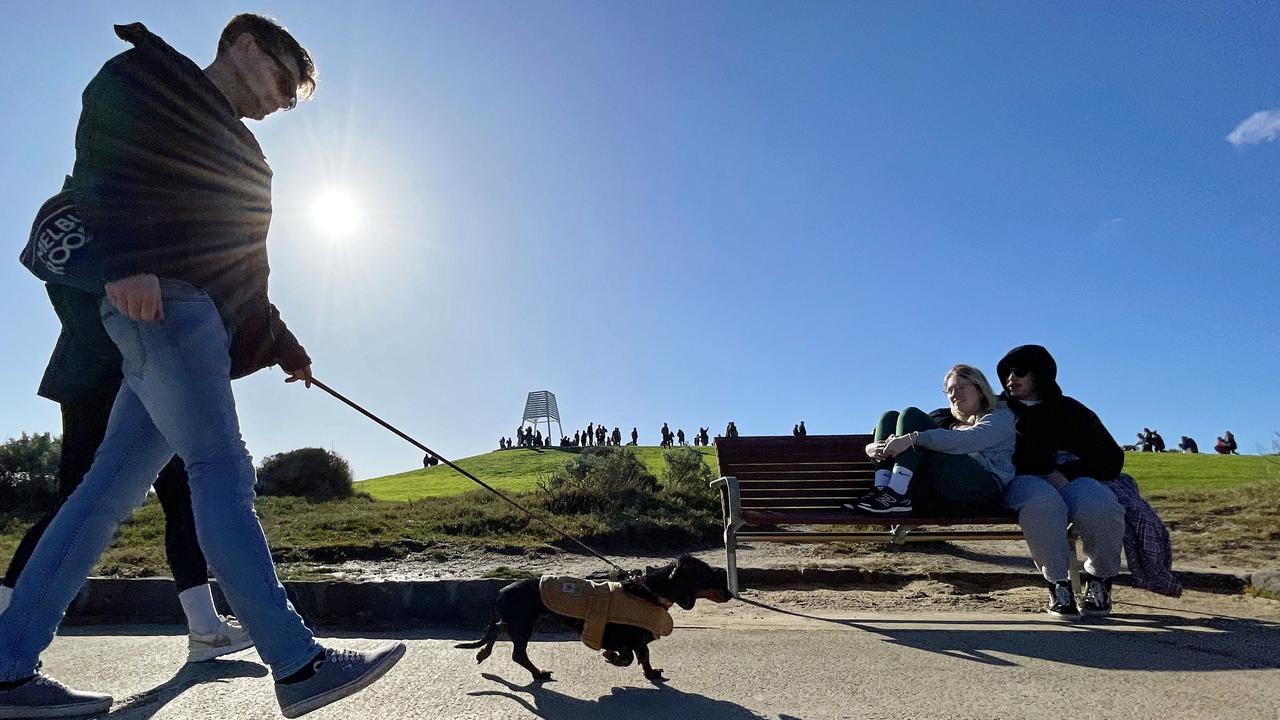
(962, 469)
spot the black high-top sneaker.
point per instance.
(1062, 602)
(1097, 596)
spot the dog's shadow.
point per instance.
(622, 703)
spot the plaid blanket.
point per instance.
(1146, 541)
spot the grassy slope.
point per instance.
(1214, 504)
(518, 471)
(515, 470)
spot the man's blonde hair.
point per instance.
(990, 402)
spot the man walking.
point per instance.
(176, 193)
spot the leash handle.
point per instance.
(433, 454)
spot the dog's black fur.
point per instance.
(519, 606)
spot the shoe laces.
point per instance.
(1062, 595)
(344, 657)
(1096, 592)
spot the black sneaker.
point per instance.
(885, 501)
(1062, 602)
(1097, 596)
(864, 497)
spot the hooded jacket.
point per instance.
(1057, 423)
(169, 182)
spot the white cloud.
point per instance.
(1260, 126)
(1111, 230)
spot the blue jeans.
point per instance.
(175, 399)
(1044, 513)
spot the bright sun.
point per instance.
(336, 214)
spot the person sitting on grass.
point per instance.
(1063, 451)
(963, 469)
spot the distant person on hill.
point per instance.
(601, 434)
(1231, 443)
(1157, 442)
(577, 437)
(803, 431)
(1063, 451)
(617, 436)
(528, 437)
(1220, 446)
(706, 440)
(520, 436)
(591, 432)
(795, 431)
(731, 431)
(666, 436)
(680, 437)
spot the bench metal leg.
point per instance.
(731, 558)
(1076, 566)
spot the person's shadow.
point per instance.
(1151, 642)
(147, 703)
(660, 701)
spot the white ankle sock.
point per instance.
(6, 592)
(882, 477)
(900, 480)
(197, 603)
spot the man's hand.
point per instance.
(1057, 480)
(303, 374)
(138, 297)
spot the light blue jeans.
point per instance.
(1044, 513)
(175, 398)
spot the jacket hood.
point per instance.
(1036, 359)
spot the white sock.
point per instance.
(197, 603)
(882, 477)
(900, 480)
(6, 592)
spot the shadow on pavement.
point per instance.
(1161, 643)
(148, 703)
(622, 703)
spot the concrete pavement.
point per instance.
(760, 662)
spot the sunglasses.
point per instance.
(287, 88)
(1019, 372)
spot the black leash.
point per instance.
(433, 457)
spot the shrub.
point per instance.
(686, 479)
(29, 471)
(605, 480)
(312, 473)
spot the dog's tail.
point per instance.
(485, 643)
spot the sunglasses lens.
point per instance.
(1019, 372)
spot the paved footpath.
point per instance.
(755, 663)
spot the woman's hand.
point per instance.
(875, 450)
(898, 444)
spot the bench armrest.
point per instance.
(730, 501)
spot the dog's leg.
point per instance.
(520, 654)
(650, 672)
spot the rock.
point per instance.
(1268, 580)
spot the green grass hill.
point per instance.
(518, 470)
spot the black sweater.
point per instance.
(1062, 423)
(172, 183)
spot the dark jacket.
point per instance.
(1057, 423)
(171, 183)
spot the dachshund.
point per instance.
(519, 605)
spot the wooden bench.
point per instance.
(777, 488)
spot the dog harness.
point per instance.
(598, 603)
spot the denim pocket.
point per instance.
(127, 337)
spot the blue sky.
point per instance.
(696, 212)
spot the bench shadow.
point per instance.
(641, 703)
(149, 702)
(1158, 643)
